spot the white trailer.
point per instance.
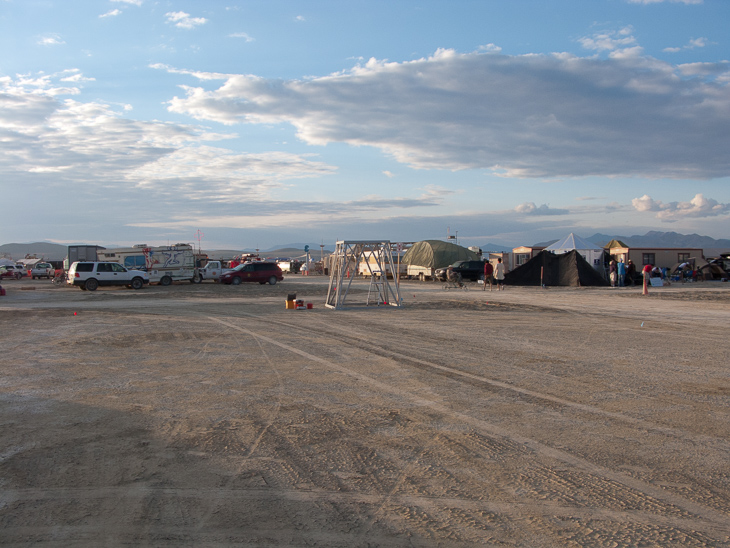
(164, 264)
(371, 262)
(423, 273)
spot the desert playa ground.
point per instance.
(208, 415)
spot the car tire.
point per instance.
(236, 280)
(165, 281)
(272, 280)
(196, 279)
(137, 283)
(91, 284)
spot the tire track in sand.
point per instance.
(706, 519)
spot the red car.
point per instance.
(253, 272)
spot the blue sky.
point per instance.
(261, 123)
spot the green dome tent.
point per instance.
(437, 254)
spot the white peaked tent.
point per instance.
(589, 251)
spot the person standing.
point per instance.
(646, 271)
(488, 275)
(621, 273)
(612, 273)
(631, 272)
(499, 274)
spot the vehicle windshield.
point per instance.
(240, 267)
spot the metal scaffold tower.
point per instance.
(378, 256)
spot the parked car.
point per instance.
(261, 272)
(211, 271)
(13, 271)
(90, 275)
(469, 270)
(42, 270)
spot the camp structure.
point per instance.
(708, 270)
(548, 269)
(424, 257)
(589, 251)
(348, 254)
(615, 244)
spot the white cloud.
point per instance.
(388, 174)
(490, 48)
(74, 75)
(706, 70)
(112, 13)
(519, 116)
(692, 44)
(699, 206)
(300, 18)
(92, 145)
(618, 43)
(243, 35)
(132, 2)
(183, 20)
(529, 208)
(50, 40)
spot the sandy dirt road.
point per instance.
(209, 415)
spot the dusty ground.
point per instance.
(211, 416)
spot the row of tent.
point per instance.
(558, 264)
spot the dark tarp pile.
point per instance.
(566, 269)
(437, 254)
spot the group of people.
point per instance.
(621, 274)
(494, 275)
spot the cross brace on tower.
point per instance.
(345, 262)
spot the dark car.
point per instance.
(469, 270)
(262, 273)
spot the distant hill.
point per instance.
(495, 248)
(295, 246)
(654, 238)
(42, 250)
(57, 252)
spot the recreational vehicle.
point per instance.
(164, 264)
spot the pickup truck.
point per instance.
(42, 270)
(211, 271)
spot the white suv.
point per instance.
(90, 275)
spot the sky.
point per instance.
(255, 124)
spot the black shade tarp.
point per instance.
(566, 269)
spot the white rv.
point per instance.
(164, 264)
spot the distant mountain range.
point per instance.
(56, 252)
(654, 238)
